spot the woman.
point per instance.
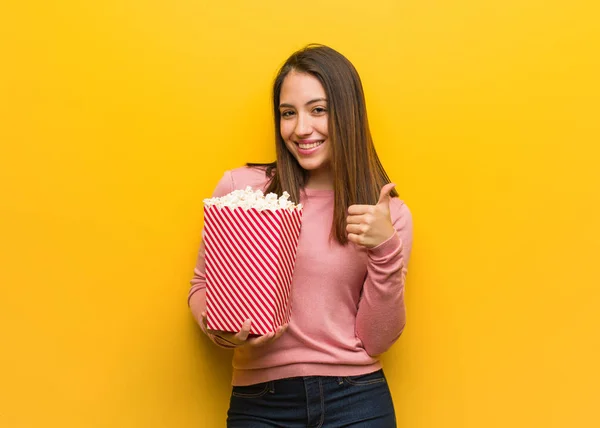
(323, 370)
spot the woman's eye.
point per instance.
(319, 110)
(287, 113)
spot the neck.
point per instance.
(320, 179)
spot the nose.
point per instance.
(303, 125)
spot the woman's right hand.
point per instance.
(241, 338)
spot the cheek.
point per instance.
(285, 129)
(323, 126)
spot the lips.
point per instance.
(309, 144)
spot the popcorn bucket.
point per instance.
(250, 255)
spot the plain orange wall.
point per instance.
(117, 118)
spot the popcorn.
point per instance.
(249, 198)
(250, 252)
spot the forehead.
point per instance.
(301, 87)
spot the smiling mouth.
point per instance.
(310, 145)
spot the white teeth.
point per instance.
(310, 146)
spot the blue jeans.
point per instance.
(314, 401)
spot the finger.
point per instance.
(244, 332)
(360, 209)
(355, 228)
(270, 337)
(354, 238)
(384, 195)
(227, 338)
(280, 331)
(355, 219)
(204, 320)
(262, 340)
(218, 332)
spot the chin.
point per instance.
(311, 166)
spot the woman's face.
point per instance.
(303, 122)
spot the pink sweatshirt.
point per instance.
(347, 301)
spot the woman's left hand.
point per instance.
(371, 225)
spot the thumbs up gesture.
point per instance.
(371, 225)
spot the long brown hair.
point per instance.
(357, 171)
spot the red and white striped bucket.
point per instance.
(249, 260)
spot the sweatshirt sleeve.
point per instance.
(381, 311)
(197, 292)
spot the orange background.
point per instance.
(117, 118)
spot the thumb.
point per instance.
(384, 196)
(245, 331)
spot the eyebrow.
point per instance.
(308, 103)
